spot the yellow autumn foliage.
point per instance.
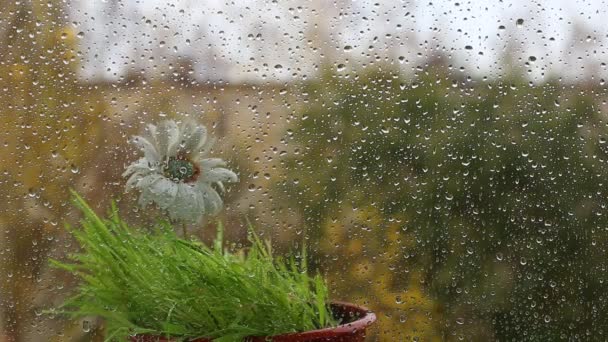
(50, 135)
(374, 274)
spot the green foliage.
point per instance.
(156, 283)
(500, 187)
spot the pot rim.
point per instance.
(365, 319)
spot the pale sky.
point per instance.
(280, 40)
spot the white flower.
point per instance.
(174, 174)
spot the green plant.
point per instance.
(144, 282)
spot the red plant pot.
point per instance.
(355, 321)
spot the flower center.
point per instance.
(180, 170)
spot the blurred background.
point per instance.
(445, 161)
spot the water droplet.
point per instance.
(519, 22)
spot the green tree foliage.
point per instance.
(498, 188)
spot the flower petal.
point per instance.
(186, 206)
(164, 192)
(218, 174)
(148, 148)
(210, 163)
(167, 136)
(137, 170)
(141, 166)
(213, 201)
(144, 184)
(151, 133)
(193, 136)
(204, 149)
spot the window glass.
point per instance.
(443, 162)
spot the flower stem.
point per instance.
(184, 231)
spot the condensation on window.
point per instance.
(444, 163)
